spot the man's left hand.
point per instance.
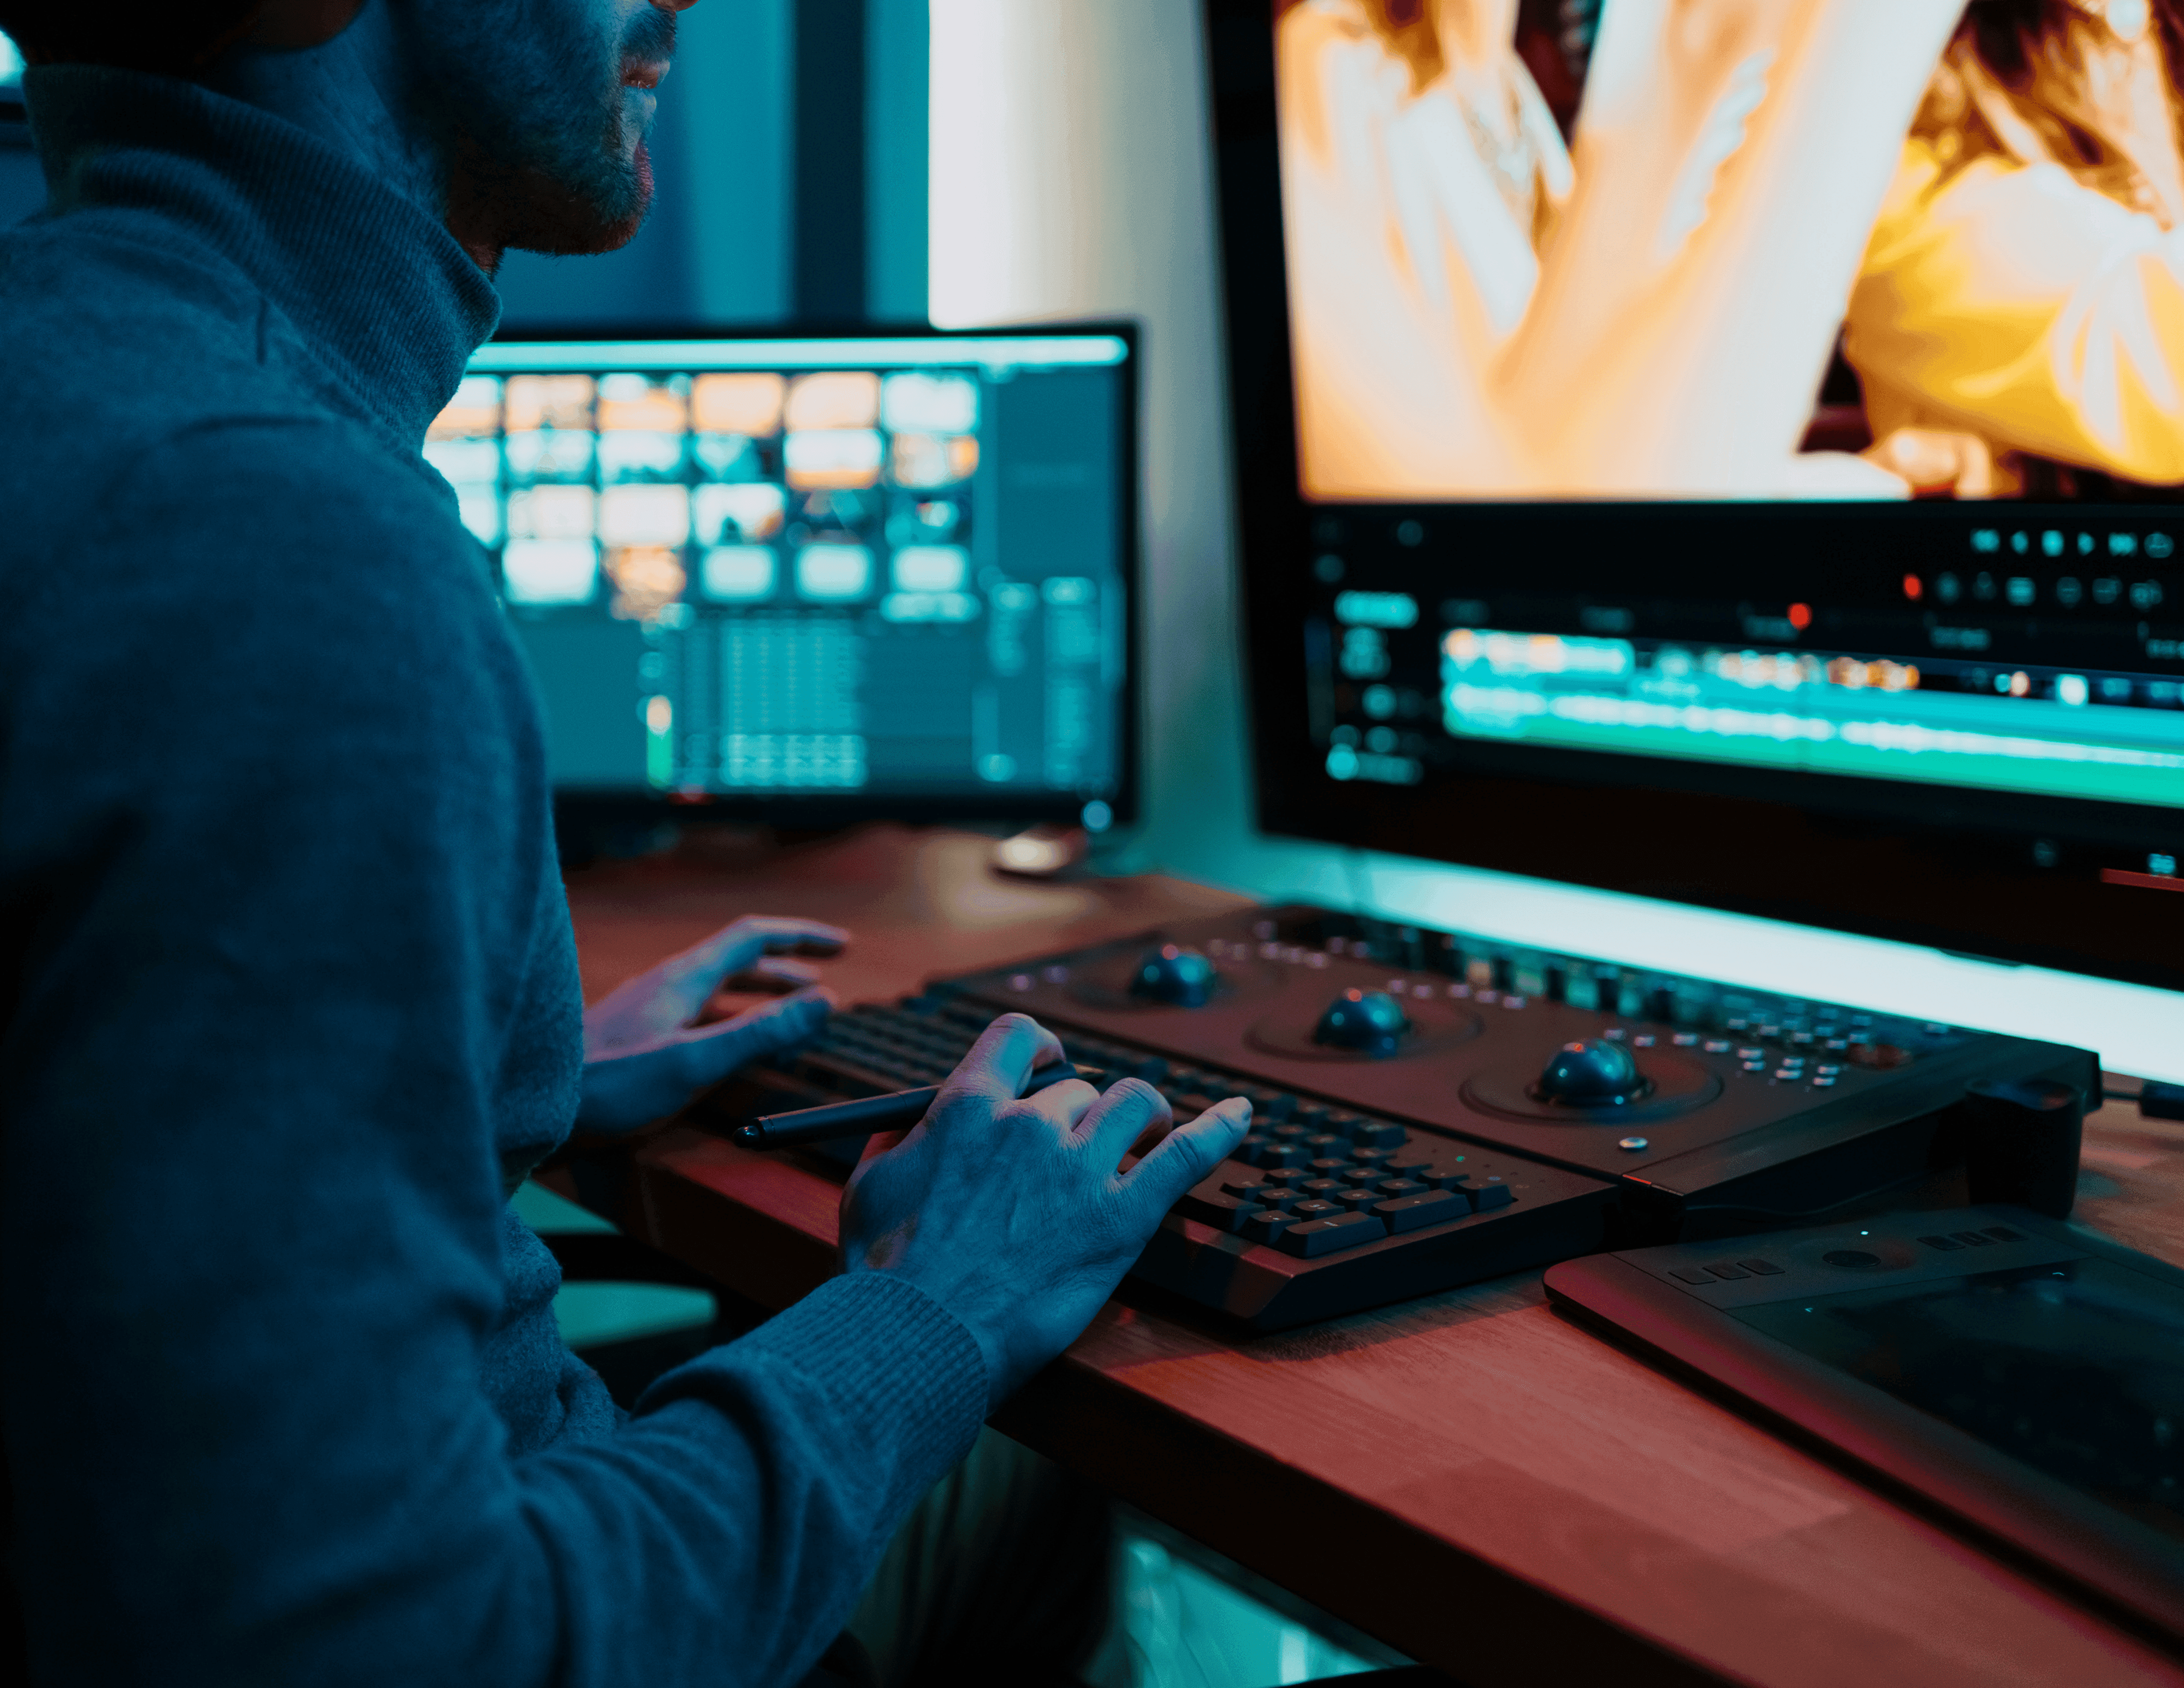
(644, 1058)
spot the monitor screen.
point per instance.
(1730, 452)
(881, 572)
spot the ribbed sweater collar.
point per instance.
(380, 292)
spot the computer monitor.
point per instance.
(805, 577)
(1727, 452)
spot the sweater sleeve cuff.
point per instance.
(881, 1355)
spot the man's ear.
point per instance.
(291, 26)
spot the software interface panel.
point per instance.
(1785, 389)
(810, 568)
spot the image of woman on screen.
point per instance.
(1421, 169)
(1477, 309)
(2024, 289)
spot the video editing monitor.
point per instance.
(805, 577)
(1731, 453)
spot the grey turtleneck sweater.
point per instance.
(287, 980)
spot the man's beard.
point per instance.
(543, 148)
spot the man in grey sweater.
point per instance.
(288, 999)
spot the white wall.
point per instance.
(1070, 176)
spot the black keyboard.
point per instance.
(1321, 1211)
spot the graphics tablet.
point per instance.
(2023, 1376)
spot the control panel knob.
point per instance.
(1370, 1022)
(1592, 1074)
(1169, 974)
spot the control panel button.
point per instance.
(1695, 1275)
(1850, 1259)
(1944, 1244)
(1725, 1270)
(2003, 1234)
(1762, 1268)
(1977, 1239)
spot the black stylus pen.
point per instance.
(868, 1114)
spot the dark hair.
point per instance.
(2035, 51)
(171, 37)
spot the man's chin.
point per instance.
(546, 216)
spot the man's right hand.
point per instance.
(1015, 1214)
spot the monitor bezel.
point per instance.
(624, 806)
(1844, 856)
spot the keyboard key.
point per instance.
(1378, 1134)
(1280, 1197)
(1328, 1169)
(1265, 1227)
(1402, 1213)
(1355, 1198)
(1321, 1188)
(1393, 1187)
(1314, 1208)
(1272, 1105)
(1222, 1212)
(1490, 1194)
(1255, 1144)
(1249, 1189)
(1326, 1145)
(1313, 1238)
(1363, 1175)
(1373, 1157)
(1406, 1165)
(1281, 1155)
(1762, 1268)
(1288, 1177)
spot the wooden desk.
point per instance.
(1467, 1477)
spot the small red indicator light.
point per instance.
(1801, 616)
(1913, 587)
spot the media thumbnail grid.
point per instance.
(662, 494)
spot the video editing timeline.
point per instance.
(807, 567)
(2044, 661)
(1431, 1108)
